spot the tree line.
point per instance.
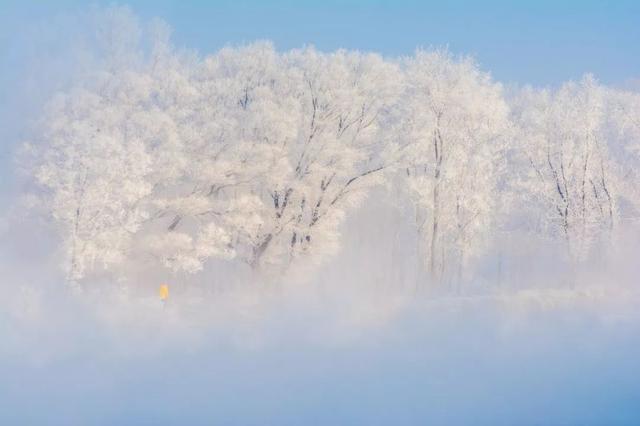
(256, 156)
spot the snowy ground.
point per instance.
(318, 357)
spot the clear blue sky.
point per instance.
(533, 41)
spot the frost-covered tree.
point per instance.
(195, 157)
(451, 128)
(624, 117)
(112, 156)
(304, 126)
(572, 180)
(623, 139)
(94, 167)
(333, 155)
(90, 156)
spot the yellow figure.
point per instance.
(164, 292)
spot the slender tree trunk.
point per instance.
(259, 251)
(73, 259)
(583, 199)
(434, 231)
(433, 246)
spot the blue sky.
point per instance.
(540, 42)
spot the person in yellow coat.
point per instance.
(163, 292)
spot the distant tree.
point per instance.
(451, 127)
(112, 156)
(334, 156)
(572, 178)
(623, 137)
(94, 167)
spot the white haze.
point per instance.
(354, 345)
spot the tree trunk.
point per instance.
(434, 232)
(437, 144)
(258, 251)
